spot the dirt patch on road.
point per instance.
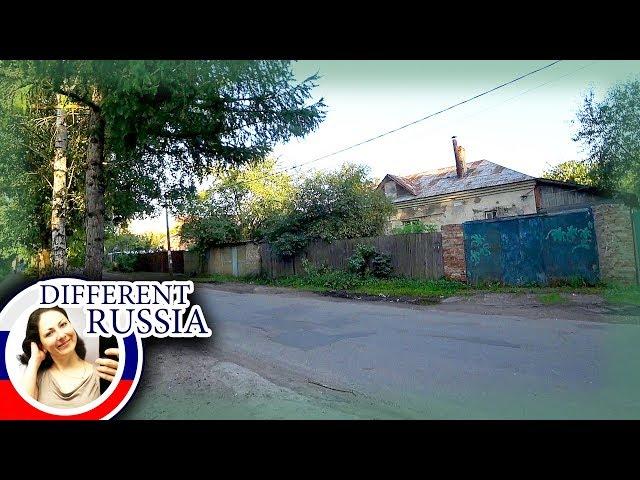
(382, 298)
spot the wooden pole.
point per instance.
(169, 263)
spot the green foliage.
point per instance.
(329, 206)
(609, 131)
(122, 240)
(571, 171)
(125, 263)
(552, 299)
(24, 190)
(381, 265)
(288, 244)
(325, 278)
(237, 205)
(5, 268)
(366, 260)
(208, 229)
(167, 124)
(415, 226)
(359, 260)
(76, 249)
(623, 294)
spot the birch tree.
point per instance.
(186, 117)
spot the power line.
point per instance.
(573, 72)
(424, 118)
(486, 92)
(530, 90)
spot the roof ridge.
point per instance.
(441, 169)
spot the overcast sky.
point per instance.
(525, 126)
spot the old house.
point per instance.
(478, 190)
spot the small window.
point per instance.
(489, 214)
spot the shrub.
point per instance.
(125, 263)
(339, 280)
(416, 226)
(367, 260)
(381, 265)
(288, 244)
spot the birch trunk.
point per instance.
(94, 194)
(59, 196)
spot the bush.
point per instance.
(381, 265)
(325, 277)
(125, 263)
(5, 267)
(367, 260)
(289, 244)
(359, 260)
(327, 206)
(416, 226)
(339, 280)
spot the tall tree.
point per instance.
(328, 206)
(150, 117)
(237, 205)
(59, 193)
(610, 133)
(571, 171)
(35, 145)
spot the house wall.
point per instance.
(507, 200)
(557, 198)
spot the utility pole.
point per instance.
(169, 263)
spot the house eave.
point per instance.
(461, 194)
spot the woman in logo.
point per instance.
(57, 374)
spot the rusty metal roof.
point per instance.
(481, 173)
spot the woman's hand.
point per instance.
(37, 355)
(107, 367)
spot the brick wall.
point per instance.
(455, 266)
(614, 235)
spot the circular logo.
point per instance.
(17, 404)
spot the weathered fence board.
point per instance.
(158, 262)
(416, 255)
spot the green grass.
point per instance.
(552, 299)
(352, 283)
(623, 294)
(430, 289)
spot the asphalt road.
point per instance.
(302, 356)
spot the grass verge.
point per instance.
(430, 289)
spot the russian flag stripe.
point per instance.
(15, 408)
(131, 357)
(4, 335)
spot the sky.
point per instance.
(526, 126)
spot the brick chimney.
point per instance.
(461, 164)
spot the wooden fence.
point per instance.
(415, 255)
(158, 262)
